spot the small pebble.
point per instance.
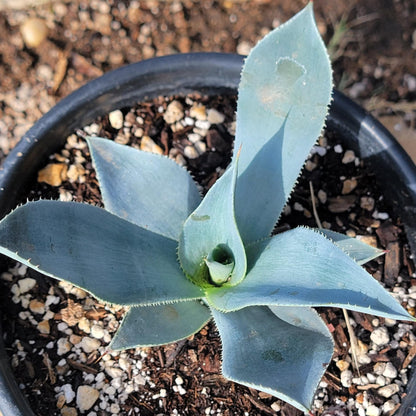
(380, 336)
(388, 406)
(190, 152)
(44, 327)
(60, 401)
(69, 411)
(373, 410)
(114, 372)
(90, 344)
(34, 32)
(37, 307)
(86, 397)
(322, 196)
(26, 284)
(116, 119)
(174, 112)
(367, 203)
(381, 381)
(53, 174)
(349, 156)
(390, 371)
(348, 186)
(388, 391)
(84, 325)
(215, 117)
(64, 346)
(68, 392)
(148, 145)
(97, 331)
(346, 378)
(342, 365)
(200, 147)
(198, 111)
(194, 137)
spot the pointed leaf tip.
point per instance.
(289, 69)
(147, 189)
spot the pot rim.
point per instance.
(202, 72)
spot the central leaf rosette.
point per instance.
(211, 251)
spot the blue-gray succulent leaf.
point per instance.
(147, 189)
(358, 250)
(114, 259)
(283, 99)
(286, 360)
(301, 267)
(149, 326)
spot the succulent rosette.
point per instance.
(178, 260)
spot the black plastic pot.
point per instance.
(206, 73)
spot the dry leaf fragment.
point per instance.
(73, 313)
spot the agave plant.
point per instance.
(177, 260)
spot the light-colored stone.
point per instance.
(310, 166)
(53, 174)
(86, 397)
(346, 378)
(349, 185)
(388, 391)
(89, 344)
(373, 410)
(75, 172)
(69, 411)
(34, 31)
(116, 119)
(322, 196)
(367, 203)
(68, 392)
(388, 406)
(64, 346)
(342, 365)
(26, 284)
(97, 331)
(148, 145)
(380, 336)
(84, 325)
(190, 152)
(60, 401)
(349, 156)
(37, 306)
(390, 371)
(200, 147)
(114, 372)
(198, 111)
(174, 112)
(194, 137)
(214, 116)
(44, 327)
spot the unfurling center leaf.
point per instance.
(211, 251)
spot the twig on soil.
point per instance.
(315, 212)
(259, 405)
